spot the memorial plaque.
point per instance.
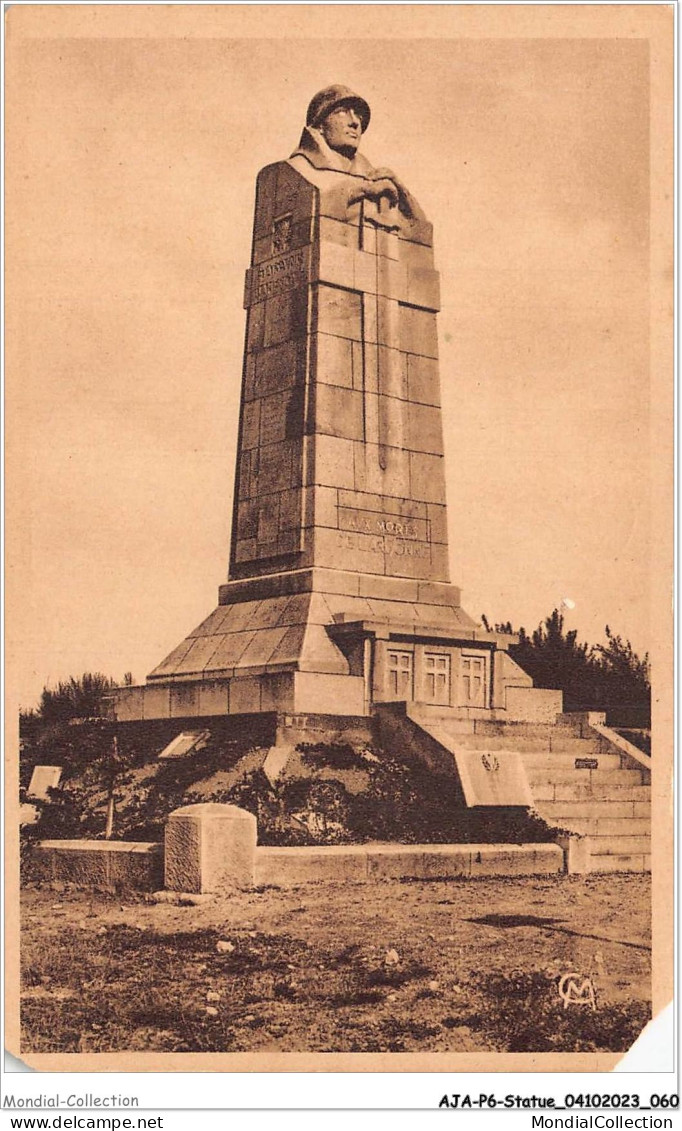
(276, 276)
(493, 778)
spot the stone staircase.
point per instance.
(583, 777)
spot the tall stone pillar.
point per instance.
(341, 449)
(338, 594)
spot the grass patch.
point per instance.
(523, 1012)
(399, 972)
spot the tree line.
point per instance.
(607, 677)
(593, 677)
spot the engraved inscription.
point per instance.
(390, 525)
(279, 275)
(386, 545)
(272, 420)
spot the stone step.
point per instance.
(569, 744)
(621, 862)
(606, 808)
(486, 742)
(642, 809)
(603, 828)
(522, 730)
(577, 747)
(620, 845)
(608, 826)
(605, 762)
(579, 791)
(537, 775)
(442, 716)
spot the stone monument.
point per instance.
(338, 595)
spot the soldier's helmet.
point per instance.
(330, 98)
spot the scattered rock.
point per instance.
(391, 958)
(181, 898)
(56, 906)
(434, 986)
(58, 994)
(249, 1017)
(102, 931)
(212, 996)
(211, 1011)
(391, 997)
(224, 947)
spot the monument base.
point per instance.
(332, 642)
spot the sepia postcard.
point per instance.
(339, 528)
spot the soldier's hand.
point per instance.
(382, 186)
(383, 174)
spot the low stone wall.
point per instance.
(365, 863)
(212, 848)
(100, 863)
(112, 864)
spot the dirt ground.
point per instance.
(449, 965)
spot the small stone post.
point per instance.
(209, 848)
(576, 849)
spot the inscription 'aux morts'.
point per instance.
(395, 526)
(278, 275)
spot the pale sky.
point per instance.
(133, 164)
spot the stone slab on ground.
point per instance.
(43, 779)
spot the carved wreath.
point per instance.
(490, 762)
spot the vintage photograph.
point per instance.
(339, 437)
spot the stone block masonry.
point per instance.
(100, 863)
(339, 594)
(340, 392)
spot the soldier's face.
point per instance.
(342, 129)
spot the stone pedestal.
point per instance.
(210, 848)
